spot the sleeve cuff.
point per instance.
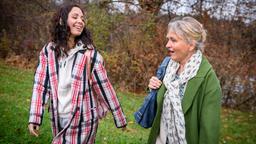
(33, 119)
(119, 118)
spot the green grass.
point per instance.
(238, 127)
(15, 92)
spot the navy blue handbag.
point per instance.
(147, 112)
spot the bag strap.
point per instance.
(89, 64)
(162, 68)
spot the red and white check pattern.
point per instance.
(89, 103)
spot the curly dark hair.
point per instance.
(60, 31)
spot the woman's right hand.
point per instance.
(154, 83)
(33, 129)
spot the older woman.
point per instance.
(189, 97)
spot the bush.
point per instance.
(4, 45)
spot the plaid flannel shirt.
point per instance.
(90, 100)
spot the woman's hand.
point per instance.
(33, 129)
(154, 83)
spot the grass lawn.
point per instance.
(15, 91)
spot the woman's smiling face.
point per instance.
(76, 21)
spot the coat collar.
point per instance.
(77, 71)
(194, 84)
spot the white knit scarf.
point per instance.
(172, 115)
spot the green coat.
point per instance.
(201, 107)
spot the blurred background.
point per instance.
(131, 36)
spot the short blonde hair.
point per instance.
(189, 29)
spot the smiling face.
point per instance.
(178, 49)
(75, 21)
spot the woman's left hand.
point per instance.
(154, 83)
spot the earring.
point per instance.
(61, 21)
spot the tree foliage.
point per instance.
(133, 42)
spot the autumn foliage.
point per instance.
(133, 45)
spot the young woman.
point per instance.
(71, 74)
(189, 97)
